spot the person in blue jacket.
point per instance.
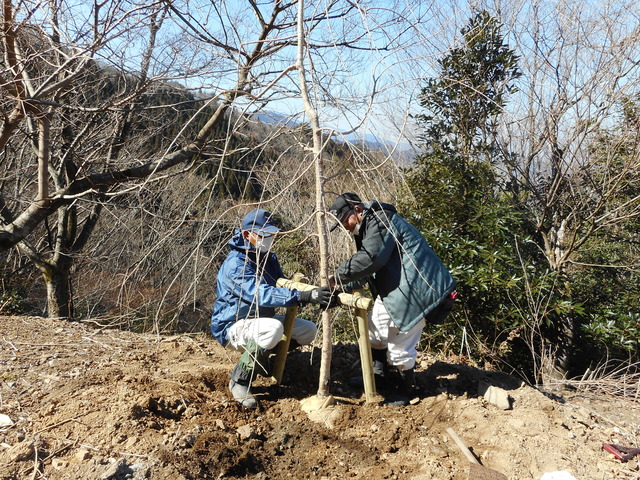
(244, 311)
(408, 281)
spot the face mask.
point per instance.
(356, 229)
(263, 244)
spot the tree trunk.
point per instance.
(56, 271)
(564, 331)
(566, 344)
(325, 363)
(58, 281)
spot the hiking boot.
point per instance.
(293, 345)
(403, 387)
(358, 382)
(396, 399)
(239, 386)
(379, 357)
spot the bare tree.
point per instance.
(323, 389)
(288, 182)
(578, 64)
(75, 224)
(46, 77)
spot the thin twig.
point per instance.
(35, 463)
(109, 347)
(620, 381)
(61, 423)
(9, 342)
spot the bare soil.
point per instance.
(89, 402)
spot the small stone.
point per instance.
(59, 464)
(5, 421)
(437, 451)
(245, 432)
(131, 442)
(495, 395)
(190, 412)
(187, 441)
(83, 454)
(220, 424)
(20, 452)
(114, 470)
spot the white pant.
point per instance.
(267, 332)
(384, 334)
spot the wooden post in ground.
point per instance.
(365, 352)
(361, 305)
(282, 349)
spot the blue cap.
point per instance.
(259, 221)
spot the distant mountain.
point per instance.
(276, 119)
(403, 151)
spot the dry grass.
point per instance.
(612, 378)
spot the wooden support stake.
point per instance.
(476, 470)
(282, 349)
(365, 353)
(346, 299)
(462, 446)
(361, 304)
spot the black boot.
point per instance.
(380, 369)
(379, 358)
(240, 384)
(293, 344)
(404, 387)
(253, 361)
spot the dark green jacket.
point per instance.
(399, 265)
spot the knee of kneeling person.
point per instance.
(306, 335)
(269, 338)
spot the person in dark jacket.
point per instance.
(247, 296)
(408, 281)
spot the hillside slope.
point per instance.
(97, 403)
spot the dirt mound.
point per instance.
(95, 403)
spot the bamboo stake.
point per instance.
(346, 299)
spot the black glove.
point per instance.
(318, 296)
(334, 301)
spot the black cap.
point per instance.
(343, 205)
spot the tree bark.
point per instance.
(564, 331)
(325, 364)
(58, 282)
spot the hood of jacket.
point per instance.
(238, 242)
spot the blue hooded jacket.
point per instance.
(245, 289)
